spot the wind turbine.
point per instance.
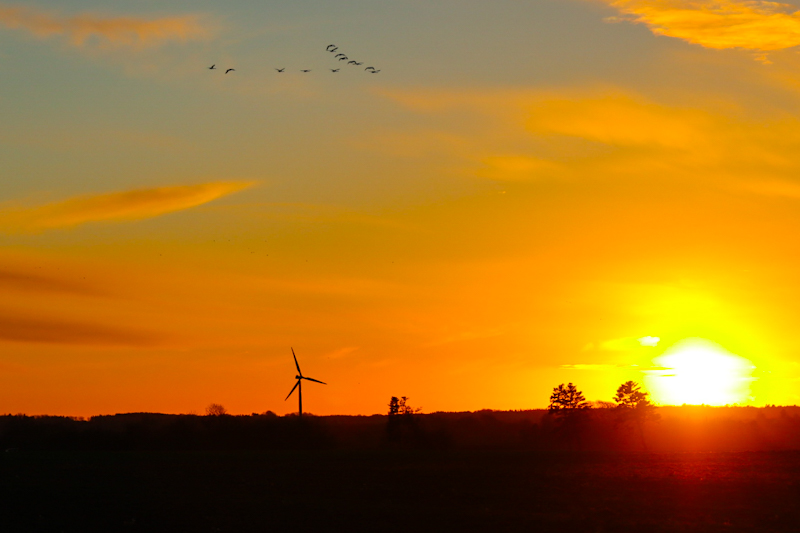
(299, 385)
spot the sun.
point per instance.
(698, 371)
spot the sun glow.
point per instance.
(698, 371)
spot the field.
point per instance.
(398, 490)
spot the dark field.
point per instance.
(398, 490)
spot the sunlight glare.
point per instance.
(698, 371)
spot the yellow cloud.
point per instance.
(516, 167)
(127, 205)
(621, 120)
(82, 29)
(576, 134)
(784, 188)
(719, 24)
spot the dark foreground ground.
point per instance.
(388, 491)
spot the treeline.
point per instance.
(602, 428)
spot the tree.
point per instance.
(567, 400)
(394, 407)
(216, 409)
(401, 423)
(631, 395)
(634, 406)
(401, 407)
(569, 405)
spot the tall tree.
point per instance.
(567, 400)
(634, 406)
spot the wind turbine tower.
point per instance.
(299, 385)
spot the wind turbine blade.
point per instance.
(316, 380)
(291, 391)
(296, 363)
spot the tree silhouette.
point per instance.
(216, 409)
(634, 406)
(569, 405)
(401, 423)
(567, 400)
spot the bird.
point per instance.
(306, 70)
(280, 69)
(370, 68)
(328, 48)
(352, 63)
(213, 67)
(343, 58)
(300, 377)
(338, 55)
(229, 70)
(334, 70)
(333, 49)
(374, 71)
(359, 64)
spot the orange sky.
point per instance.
(468, 228)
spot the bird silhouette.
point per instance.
(280, 69)
(359, 64)
(352, 63)
(213, 67)
(229, 70)
(343, 58)
(374, 71)
(328, 48)
(307, 70)
(334, 70)
(333, 49)
(370, 68)
(338, 55)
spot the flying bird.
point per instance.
(213, 67)
(343, 58)
(359, 64)
(370, 68)
(229, 70)
(338, 55)
(307, 70)
(333, 49)
(280, 69)
(328, 48)
(374, 71)
(334, 70)
(352, 63)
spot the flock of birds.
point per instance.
(333, 49)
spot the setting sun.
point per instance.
(698, 371)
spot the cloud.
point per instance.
(341, 352)
(20, 281)
(127, 205)
(573, 135)
(719, 24)
(621, 345)
(81, 30)
(16, 328)
(784, 188)
(649, 341)
(600, 366)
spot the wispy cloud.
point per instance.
(622, 344)
(784, 188)
(719, 24)
(17, 328)
(118, 206)
(575, 134)
(26, 282)
(599, 366)
(83, 29)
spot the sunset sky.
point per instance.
(527, 193)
